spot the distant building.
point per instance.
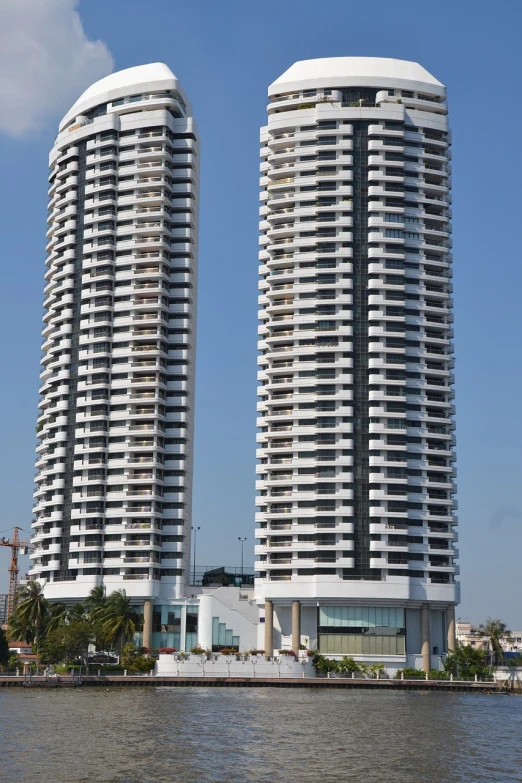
(468, 634)
(3, 609)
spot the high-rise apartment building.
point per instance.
(113, 498)
(3, 608)
(355, 524)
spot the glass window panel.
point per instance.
(378, 615)
(222, 639)
(215, 630)
(371, 617)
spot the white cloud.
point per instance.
(46, 61)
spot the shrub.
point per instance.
(410, 674)
(325, 665)
(14, 661)
(256, 652)
(287, 652)
(434, 674)
(376, 669)
(347, 665)
(167, 650)
(134, 661)
(197, 650)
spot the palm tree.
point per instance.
(76, 613)
(32, 612)
(120, 620)
(96, 601)
(56, 618)
(495, 630)
(95, 605)
(19, 630)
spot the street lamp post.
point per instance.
(195, 531)
(242, 540)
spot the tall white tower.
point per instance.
(355, 524)
(113, 498)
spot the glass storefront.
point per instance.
(361, 630)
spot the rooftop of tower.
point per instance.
(348, 71)
(141, 78)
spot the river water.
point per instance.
(242, 735)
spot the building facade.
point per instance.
(356, 515)
(115, 426)
(4, 599)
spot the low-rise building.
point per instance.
(469, 634)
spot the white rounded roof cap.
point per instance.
(350, 67)
(140, 73)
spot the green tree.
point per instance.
(57, 617)
(14, 661)
(96, 601)
(19, 630)
(467, 661)
(76, 613)
(495, 630)
(120, 620)
(68, 642)
(31, 615)
(4, 649)
(95, 606)
(134, 661)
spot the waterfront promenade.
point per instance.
(322, 683)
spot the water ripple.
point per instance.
(214, 735)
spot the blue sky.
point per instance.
(225, 55)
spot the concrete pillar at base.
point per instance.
(450, 623)
(147, 623)
(296, 626)
(269, 628)
(425, 638)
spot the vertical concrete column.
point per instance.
(450, 623)
(425, 638)
(147, 623)
(269, 628)
(296, 626)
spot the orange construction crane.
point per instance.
(16, 544)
